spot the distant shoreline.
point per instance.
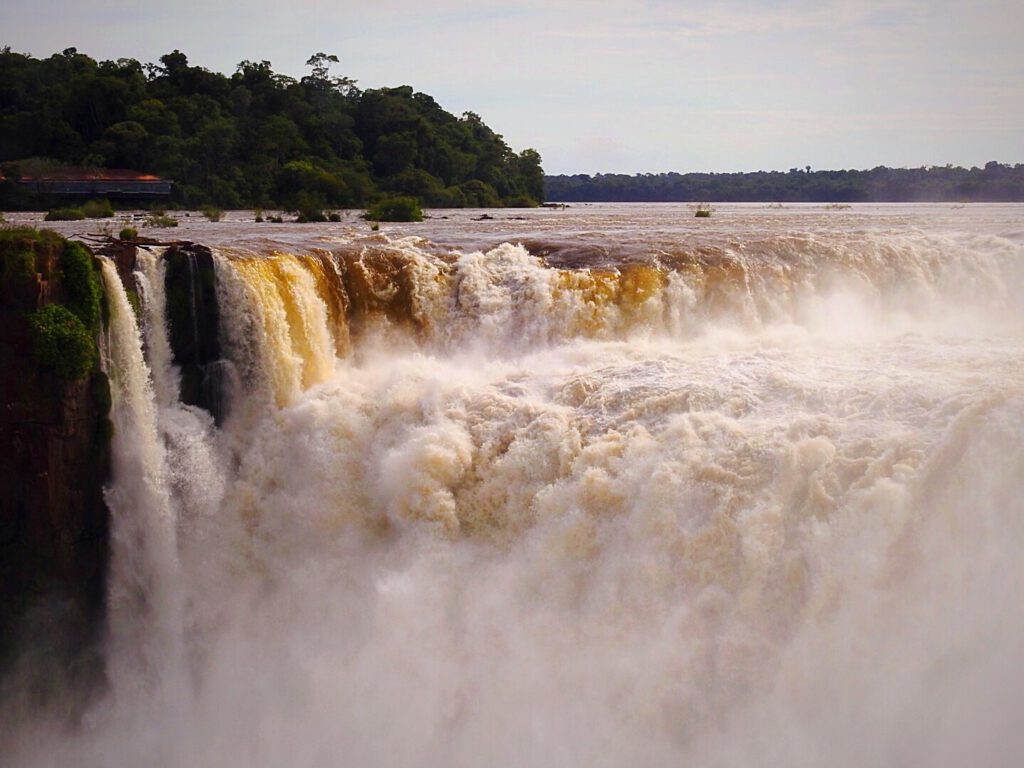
(995, 183)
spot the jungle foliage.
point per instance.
(62, 334)
(254, 138)
(62, 342)
(83, 292)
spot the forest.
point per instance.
(255, 138)
(995, 182)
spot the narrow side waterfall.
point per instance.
(192, 466)
(145, 598)
(150, 279)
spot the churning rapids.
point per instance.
(605, 486)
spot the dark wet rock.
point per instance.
(193, 321)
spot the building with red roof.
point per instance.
(97, 182)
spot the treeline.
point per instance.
(254, 138)
(994, 183)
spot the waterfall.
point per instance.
(150, 277)
(192, 467)
(754, 503)
(145, 600)
(304, 310)
(279, 321)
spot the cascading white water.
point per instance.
(192, 466)
(145, 599)
(767, 509)
(150, 278)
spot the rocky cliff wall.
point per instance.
(54, 437)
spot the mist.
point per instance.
(760, 504)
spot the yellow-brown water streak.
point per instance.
(297, 338)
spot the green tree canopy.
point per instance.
(254, 138)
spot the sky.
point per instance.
(620, 86)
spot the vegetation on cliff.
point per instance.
(21, 250)
(55, 439)
(61, 342)
(17, 266)
(62, 333)
(83, 293)
(254, 138)
(994, 183)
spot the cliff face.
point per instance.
(55, 440)
(54, 437)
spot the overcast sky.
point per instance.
(621, 86)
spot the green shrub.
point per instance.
(83, 293)
(128, 233)
(395, 209)
(62, 342)
(160, 221)
(18, 266)
(212, 213)
(334, 217)
(258, 216)
(29, 237)
(24, 245)
(98, 209)
(65, 214)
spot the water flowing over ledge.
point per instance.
(310, 308)
(757, 500)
